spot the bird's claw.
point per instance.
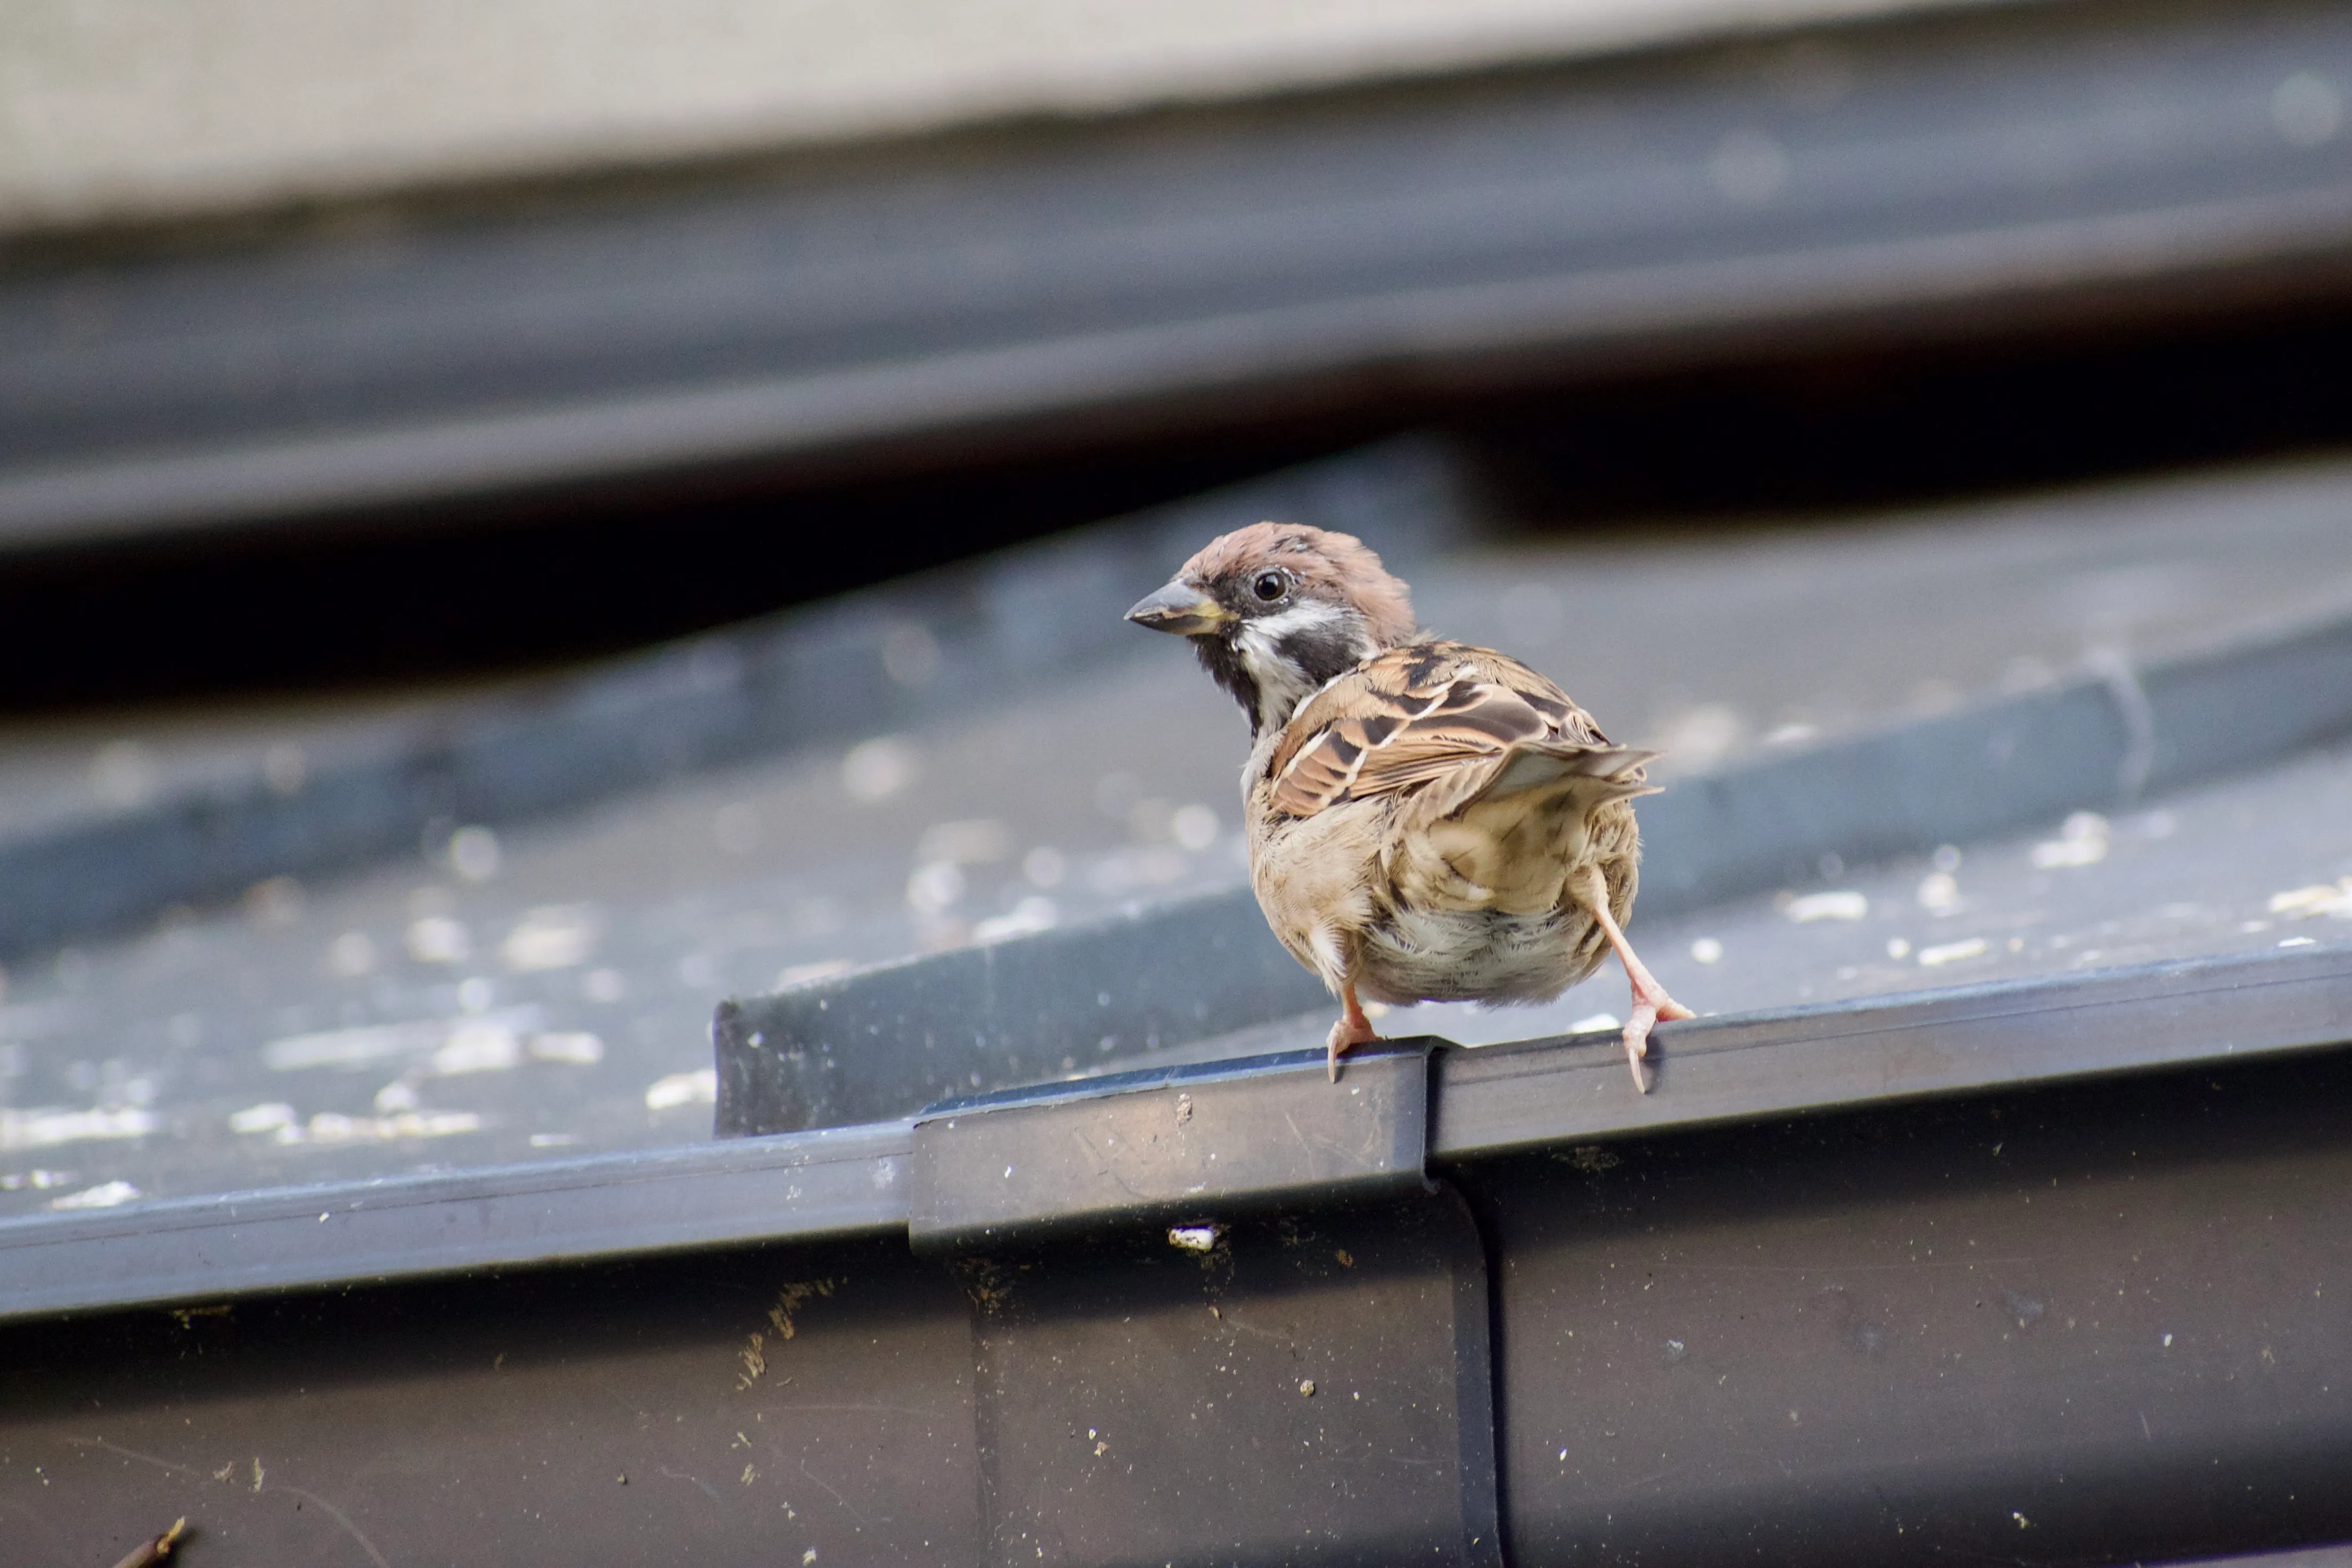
(1648, 1011)
(1637, 1043)
(1345, 1036)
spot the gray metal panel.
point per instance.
(809, 1186)
(2092, 742)
(2013, 160)
(887, 1041)
(1495, 1099)
(1971, 1039)
(1201, 1144)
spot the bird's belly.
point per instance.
(1478, 955)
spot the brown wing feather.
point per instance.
(1411, 715)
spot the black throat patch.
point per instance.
(1223, 663)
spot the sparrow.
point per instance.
(1427, 821)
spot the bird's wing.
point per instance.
(1413, 714)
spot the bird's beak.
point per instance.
(1182, 609)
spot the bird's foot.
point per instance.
(1353, 1029)
(1650, 1004)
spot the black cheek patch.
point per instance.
(1318, 653)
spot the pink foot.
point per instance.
(1353, 1029)
(1649, 1006)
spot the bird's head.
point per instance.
(1276, 610)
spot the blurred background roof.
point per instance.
(1058, 315)
(121, 113)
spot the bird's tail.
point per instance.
(1503, 837)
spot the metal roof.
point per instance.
(368, 1017)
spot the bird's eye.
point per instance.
(1270, 586)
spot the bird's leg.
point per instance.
(1331, 961)
(1353, 1029)
(1651, 1002)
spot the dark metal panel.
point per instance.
(1916, 172)
(1972, 1038)
(2085, 1325)
(810, 1405)
(1189, 1144)
(887, 1041)
(806, 1185)
(1311, 1389)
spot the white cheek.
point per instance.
(1261, 643)
(1282, 686)
(1305, 615)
